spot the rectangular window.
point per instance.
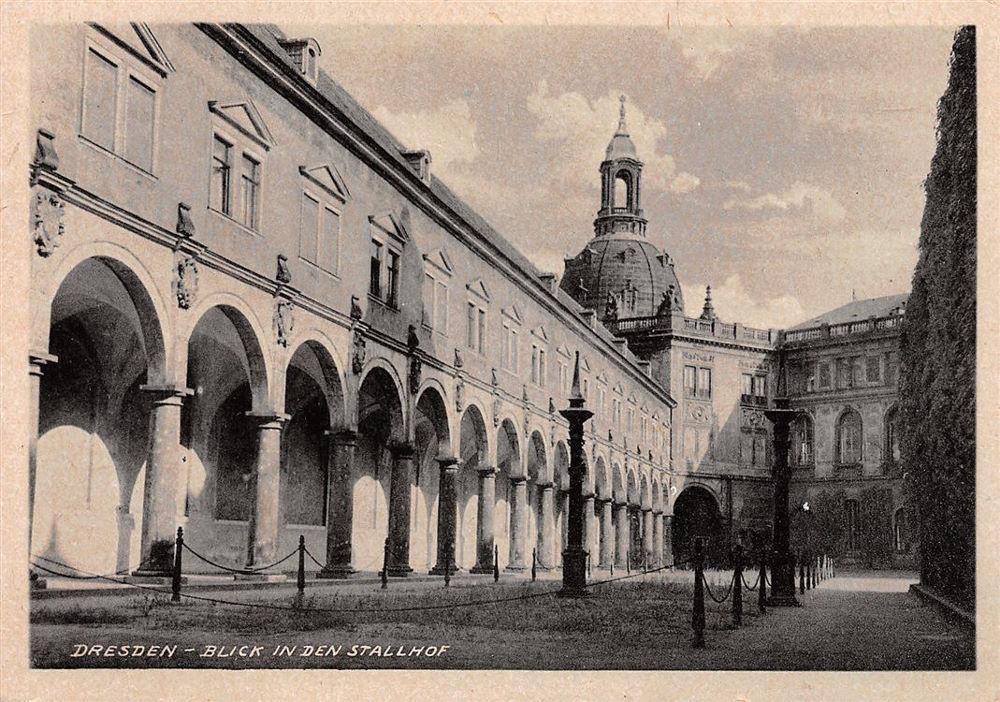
(760, 386)
(541, 367)
(329, 243)
(441, 307)
(428, 300)
(308, 248)
(856, 371)
(563, 371)
(534, 364)
(139, 119)
(375, 270)
(481, 339)
(705, 383)
(222, 168)
(853, 525)
(470, 326)
(844, 375)
(747, 387)
(824, 375)
(392, 278)
(100, 100)
(873, 369)
(690, 381)
(249, 192)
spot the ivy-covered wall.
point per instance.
(938, 345)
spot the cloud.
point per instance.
(448, 132)
(800, 196)
(733, 303)
(581, 129)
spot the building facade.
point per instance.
(256, 315)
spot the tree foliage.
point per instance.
(938, 345)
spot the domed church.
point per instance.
(620, 273)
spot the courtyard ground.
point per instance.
(856, 621)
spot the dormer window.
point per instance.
(304, 53)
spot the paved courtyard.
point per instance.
(863, 621)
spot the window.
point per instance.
(375, 269)
(704, 383)
(891, 368)
(616, 413)
(690, 381)
(435, 298)
(759, 455)
(475, 327)
(900, 531)
(586, 388)
(892, 436)
(602, 397)
(509, 349)
(802, 442)
(747, 384)
(535, 375)
(760, 386)
(628, 423)
(824, 376)
(219, 198)
(119, 109)
(873, 369)
(392, 278)
(810, 377)
(856, 370)
(319, 233)
(849, 438)
(844, 374)
(563, 377)
(852, 513)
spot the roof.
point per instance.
(855, 310)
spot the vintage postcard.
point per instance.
(570, 351)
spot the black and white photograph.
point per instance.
(641, 340)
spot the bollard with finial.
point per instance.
(175, 582)
(698, 612)
(738, 585)
(762, 587)
(300, 580)
(534, 557)
(807, 560)
(496, 563)
(385, 564)
(802, 576)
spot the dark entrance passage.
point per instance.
(696, 514)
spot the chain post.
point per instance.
(496, 563)
(738, 585)
(802, 575)
(175, 581)
(300, 580)
(762, 586)
(698, 612)
(385, 564)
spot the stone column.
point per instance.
(657, 538)
(265, 514)
(518, 522)
(160, 513)
(647, 535)
(589, 532)
(339, 505)
(621, 534)
(447, 515)
(36, 362)
(399, 510)
(607, 533)
(484, 521)
(546, 529)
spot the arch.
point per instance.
(560, 466)
(431, 409)
(136, 279)
(631, 487)
(431, 441)
(601, 483)
(333, 365)
(323, 367)
(93, 418)
(850, 437)
(624, 188)
(618, 484)
(657, 503)
(473, 454)
(248, 330)
(380, 376)
(697, 515)
(509, 449)
(645, 500)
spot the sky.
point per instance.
(783, 166)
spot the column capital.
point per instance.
(545, 485)
(447, 462)
(619, 503)
(646, 509)
(268, 420)
(518, 479)
(401, 450)
(167, 394)
(587, 495)
(342, 437)
(603, 500)
(657, 512)
(486, 471)
(37, 359)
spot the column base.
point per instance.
(260, 577)
(439, 570)
(337, 572)
(398, 571)
(575, 592)
(514, 568)
(482, 569)
(545, 568)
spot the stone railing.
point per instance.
(829, 331)
(695, 326)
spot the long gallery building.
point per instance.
(255, 314)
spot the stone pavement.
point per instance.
(856, 621)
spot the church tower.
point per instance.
(621, 177)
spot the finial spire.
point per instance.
(574, 392)
(621, 116)
(708, 311)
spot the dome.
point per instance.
(626, 268)
(620, 146)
